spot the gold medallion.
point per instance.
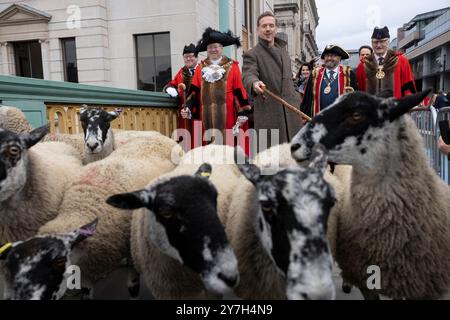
(327, 90)
(380, 73)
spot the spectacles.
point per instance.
(214, 47)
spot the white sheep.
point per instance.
(265, 273)
(129, 167)
(399, 211)
(33, 178)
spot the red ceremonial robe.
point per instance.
(183, 76)
(398, 76)
(311, 100)
(220, 101)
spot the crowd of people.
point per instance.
(217, 96)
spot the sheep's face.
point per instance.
(294, 205)
(96, 124)
(36, 268)
(355, 129)
(184, 225)
(14, 159)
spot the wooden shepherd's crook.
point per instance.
(286, 104)
(182, 87)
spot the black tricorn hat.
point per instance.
(189, 49)
(334, 48)
(380, 33)
(213, 36)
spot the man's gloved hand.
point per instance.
(172, 92)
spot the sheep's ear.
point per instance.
(85, 231)
(35, 135)
(319, 158)
(131, 200)
(239, 156)
(112, 115)
(204, 171)
(405, 104)
(251, 172)
(83, 108)
(4, 250)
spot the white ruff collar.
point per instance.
(212, 73)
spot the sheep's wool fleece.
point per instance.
(127, 169)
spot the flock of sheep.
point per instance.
(221, 228)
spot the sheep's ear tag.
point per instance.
(4, 250)
(204, 170)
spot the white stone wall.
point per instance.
(105, 42)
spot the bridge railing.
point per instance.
(59, 104)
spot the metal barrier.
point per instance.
(443, 114)
(426, 120)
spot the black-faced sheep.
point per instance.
(178, 242)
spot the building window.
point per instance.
(154, 68)
(69, 50)
(28, 59)
(247, 24)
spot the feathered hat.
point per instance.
(213, 36)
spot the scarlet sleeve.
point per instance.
(361, 77)
(407, 78)
(193, 97)
(238, 87)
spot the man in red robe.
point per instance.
(386, 71)
(217, 92)
(184, 76)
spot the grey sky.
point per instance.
(349, 23)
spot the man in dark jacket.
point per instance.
(268, 65)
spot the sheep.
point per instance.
(240, 213)
(40, 276)
(129, 167)
(33, 178)
(98, 139)
(399, 210)
(13, 119)
(277, 226)
(178, 242)
(279, 157)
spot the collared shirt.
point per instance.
(377, 58)
(335, 70)
(216, 62)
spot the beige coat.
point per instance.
(273, 67)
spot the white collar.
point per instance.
(216, 62)
(377, 57)
(336, 70)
